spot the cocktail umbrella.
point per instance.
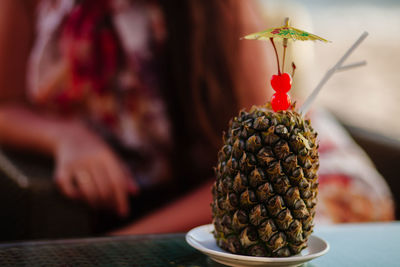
(285, 32)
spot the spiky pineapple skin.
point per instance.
(266, 187)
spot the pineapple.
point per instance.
(266, 189)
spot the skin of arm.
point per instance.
(15, 119)
(191, 210)
(86, 168)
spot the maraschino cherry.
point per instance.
(281, 83)
(280, 101)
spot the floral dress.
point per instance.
(96, 59)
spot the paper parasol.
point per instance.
(285, 32)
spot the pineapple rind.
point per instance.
(266, 189)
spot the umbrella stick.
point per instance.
(283, 60)
(285, 41)
(276, 54)
(310, 99)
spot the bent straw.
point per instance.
(337, 67)
(352, 65)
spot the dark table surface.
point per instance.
(373, 244)
(148, 250)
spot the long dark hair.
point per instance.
(201, 71)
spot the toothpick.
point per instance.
(337, 67)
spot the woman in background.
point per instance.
(129, 95)
(126, 95)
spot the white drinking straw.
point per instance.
(338, 67)
(352, 65)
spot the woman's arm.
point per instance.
(23, 128)
(18, 125)
(16, 38)
(180, 216)
(85, 166)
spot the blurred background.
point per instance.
(367, 97)
(365, 101)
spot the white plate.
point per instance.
(202, 239)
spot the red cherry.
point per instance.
(280, 101)
(281, 83)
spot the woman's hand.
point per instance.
(86, 168)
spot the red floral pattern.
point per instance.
(106, 78)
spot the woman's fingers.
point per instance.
(95, 173)
(132, 186)
(103, 185)
(64, 182)
(87, 187)
(118, 185)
